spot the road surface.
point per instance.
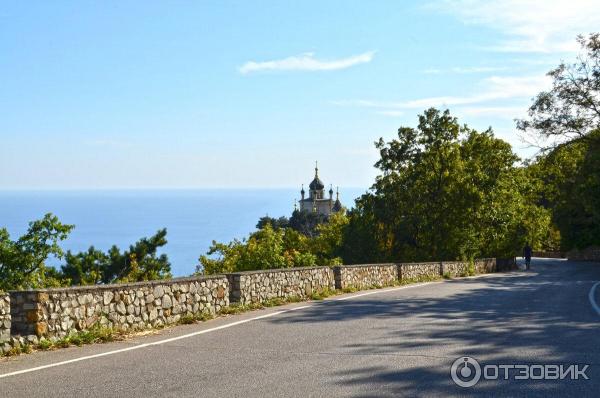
(391, 342)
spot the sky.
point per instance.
(248, 94)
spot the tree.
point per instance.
(445, 192)
(567, 117)
(569, 187)
(327, 244)
(571, 109)
(140, 263)
(275, 223)
(22, 262)
(306, 222)
(264, 249)
(85, 268)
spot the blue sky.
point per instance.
(134, 94)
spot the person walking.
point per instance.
(527, 256)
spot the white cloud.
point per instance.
(465, 69)
(477, 69)
(306, 62)
(492, 89)
(510, 112)
(529, 25)
(495, 88)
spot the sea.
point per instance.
(193, 218)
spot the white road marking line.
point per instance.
(185, 336)
(592, 298)
(298, 308)
(408, 287)
(137, 347)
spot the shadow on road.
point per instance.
(542, 316)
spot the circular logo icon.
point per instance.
(465, 371)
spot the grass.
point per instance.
(324, 293)
(423, 279)
(96, 334)
(471, 269)
(44, 345)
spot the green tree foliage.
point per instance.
(569, 187)
(567, 119)
(570, 110)
(140, 263)
(275, 223)
(326, 246)
(306, 222)
(264, 249)
(445, 192)
(22, 262)
(280, 247)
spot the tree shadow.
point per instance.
(537, 317)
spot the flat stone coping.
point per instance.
(366, 265)
(275, 270)
(120, 286)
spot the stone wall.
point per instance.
(589, 254)
(54, 313)
(546, 254)
(57, 312)
(485, 265)
(419, 271)
(455, 268)
(263, 285)
(506, 264)
(5, 317)
(365, 276)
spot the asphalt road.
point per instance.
(392, 342)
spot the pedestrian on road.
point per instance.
(527, 255)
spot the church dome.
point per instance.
(337, 206)
(316, 184)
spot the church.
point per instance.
(316, 201)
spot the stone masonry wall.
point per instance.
(419, 271)
(546, 254)
(259, 286)
(455, 268)
(485, 265)
(4, 317)
(57, 312)
(365, 276)
(506, 264)
(54, 313)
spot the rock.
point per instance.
(167, 302)
(64, 325)
(150, 298)
(108, 297)
(41, 329)
(121, 308)
(158, 291)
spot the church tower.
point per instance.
(316, 201)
